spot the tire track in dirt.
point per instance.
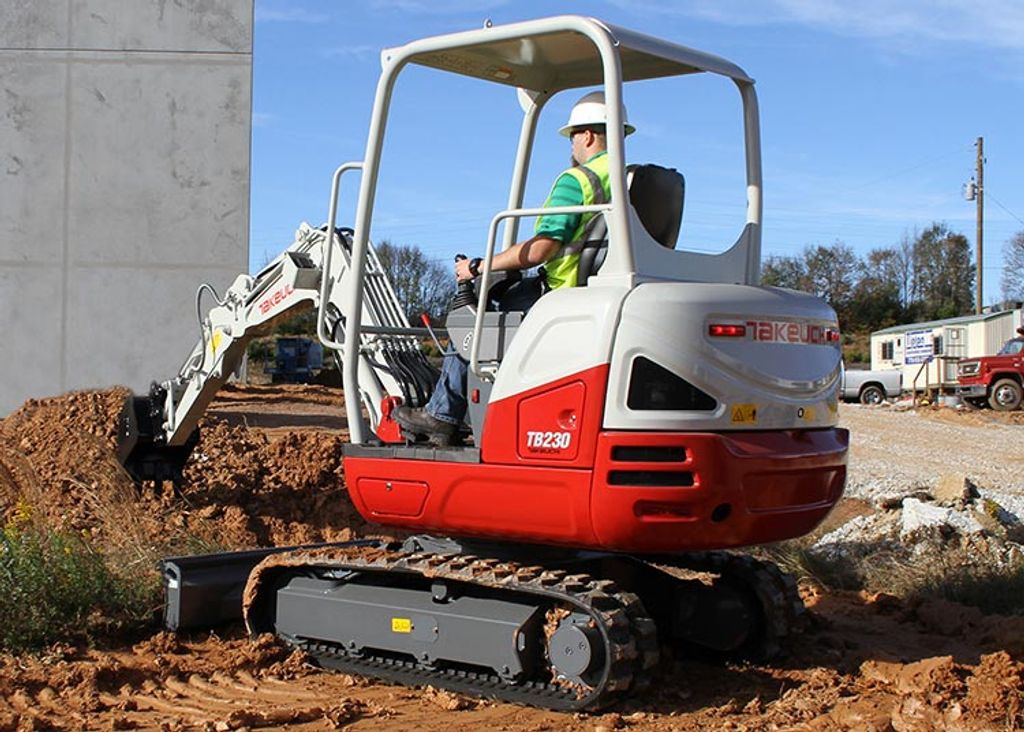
(222, 701)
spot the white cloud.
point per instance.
(989, 23)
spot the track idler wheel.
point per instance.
(575, 650)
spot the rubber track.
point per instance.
(783, 610)
(629, 634)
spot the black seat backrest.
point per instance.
(657, 195)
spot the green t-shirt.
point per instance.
(565, 192)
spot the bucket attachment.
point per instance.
(142, 442)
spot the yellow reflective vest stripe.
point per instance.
(562, 269)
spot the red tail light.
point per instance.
(722, 330)
(832, 335)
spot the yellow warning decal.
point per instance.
(215, 340)
(744, 413)
(401, 625)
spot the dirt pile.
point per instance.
(241, 488)
(969, 415)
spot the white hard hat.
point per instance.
(589, 111)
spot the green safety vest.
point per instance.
(562, 269)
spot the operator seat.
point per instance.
(657, 197)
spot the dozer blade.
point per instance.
(205, 590)
(141, 442)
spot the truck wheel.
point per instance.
(872, 394)
(1005, 395)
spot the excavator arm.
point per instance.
(158, 431)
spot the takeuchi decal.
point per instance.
(277, 297)
(787, 332)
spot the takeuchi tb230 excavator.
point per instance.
(623, 432)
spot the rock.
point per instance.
(919, 517)
(893, 503)
(955, 489)
(858, 536)
(1006, 507)
(991, 524)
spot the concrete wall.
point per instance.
(124, 183)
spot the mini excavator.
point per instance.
(623, 433)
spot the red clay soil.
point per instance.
(268, 471)
(866, 664)
(244, 487)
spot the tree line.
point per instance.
(927, 276)
(421, 284)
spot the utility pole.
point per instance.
(981, 218)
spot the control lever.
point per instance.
(465, 293)
(425, 319)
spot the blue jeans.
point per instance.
(448, 402)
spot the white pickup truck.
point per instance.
(870, 387)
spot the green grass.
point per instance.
(992, 589)
(954, 575)
(55, 587)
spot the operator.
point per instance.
(556, 243)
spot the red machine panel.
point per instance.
(549, 423)
(660, 492)
(544, 505)
(384, 498)
(648, 492)
(554, 423)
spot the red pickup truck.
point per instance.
(994, 380)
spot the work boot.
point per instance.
(420, 423)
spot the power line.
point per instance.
(996, 201)
(903, 171)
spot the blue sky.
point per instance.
(869, 114)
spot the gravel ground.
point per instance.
(894, 452)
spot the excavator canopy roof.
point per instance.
(552, 54)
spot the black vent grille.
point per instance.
(653, 387)
(648, 454)
(658, 478)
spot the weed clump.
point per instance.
(963, 575)
(55, 586)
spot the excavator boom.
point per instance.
(158, 431)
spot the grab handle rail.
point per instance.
(485, 275)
